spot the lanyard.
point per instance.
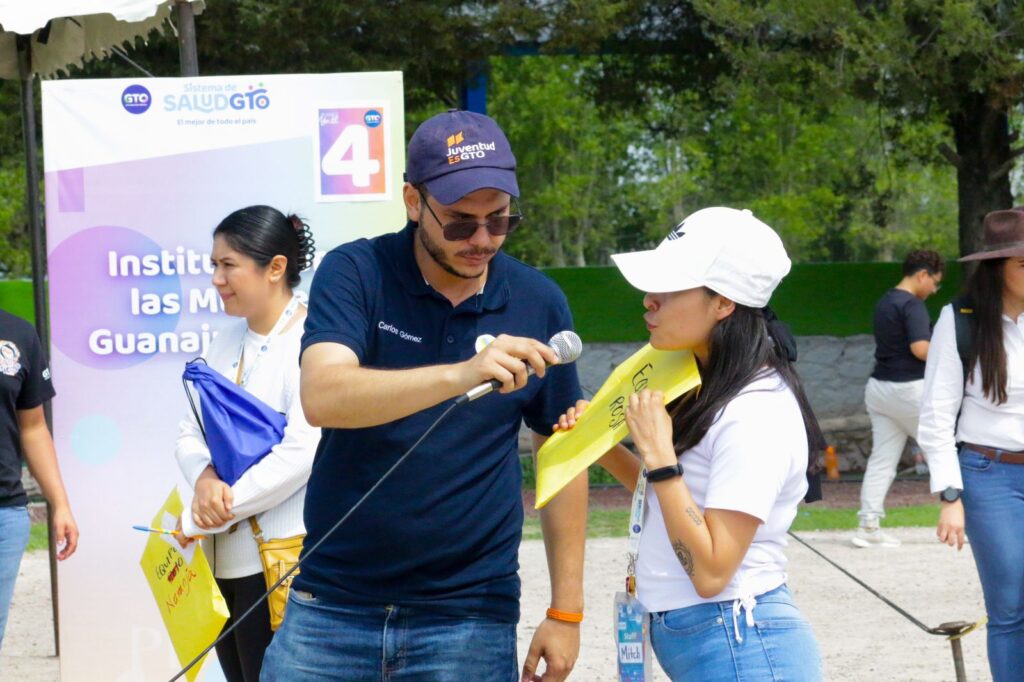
(286, 316)
(636, 528)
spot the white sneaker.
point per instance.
(873, 537)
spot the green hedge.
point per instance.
(16, 298)
(831, 299)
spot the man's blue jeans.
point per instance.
(320, 642)
(994, 514)
(715, 642)
(14, 528)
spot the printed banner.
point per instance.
(138, 174)
(567, 453)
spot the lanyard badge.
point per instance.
(632, 625)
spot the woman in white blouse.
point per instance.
(257, 256)
(726, 465)
(972, 431)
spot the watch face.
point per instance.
(950, 494)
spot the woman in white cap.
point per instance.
(725, 465)
(972, 430)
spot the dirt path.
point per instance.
(862, 640)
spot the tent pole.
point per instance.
(187, 53)
(28, 126)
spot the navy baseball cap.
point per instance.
(459, 152)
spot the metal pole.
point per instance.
(958, 660)
(187, 52)
(28, 127)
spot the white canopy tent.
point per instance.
(43, 38)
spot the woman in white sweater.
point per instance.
(257, 256)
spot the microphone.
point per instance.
(567, 346)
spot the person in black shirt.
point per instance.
(893, 393)
(24, 386)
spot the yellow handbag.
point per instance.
(278, 557)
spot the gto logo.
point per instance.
(136, 99)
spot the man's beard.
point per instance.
(439, 256)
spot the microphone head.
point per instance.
(567, 346)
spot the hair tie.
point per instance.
(780, 333)
(307, 245)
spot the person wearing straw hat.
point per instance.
(723, 467)
(972, 430)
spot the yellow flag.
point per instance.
(189, 600)
(567, 453)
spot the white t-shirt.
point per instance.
(753, 460)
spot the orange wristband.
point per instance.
(565, 616)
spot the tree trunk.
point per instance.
(982, 134)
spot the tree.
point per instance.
(958, 59)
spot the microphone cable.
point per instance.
(319, 542)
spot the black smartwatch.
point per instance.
(950, 494)
(665, 473)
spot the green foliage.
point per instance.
(682, 105)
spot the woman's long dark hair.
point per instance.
(742, 350)
(985, 290)
(262, 232)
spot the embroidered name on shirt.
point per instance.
(384, 326)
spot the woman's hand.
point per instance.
(183, 540)
(568, 420)
(951, 524)
(651, 428)
(211, 505)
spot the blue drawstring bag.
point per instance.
(239, 428)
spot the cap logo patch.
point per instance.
(676, 233)
(457, 151)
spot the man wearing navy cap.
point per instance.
(421, 582)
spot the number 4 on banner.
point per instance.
(359, 166)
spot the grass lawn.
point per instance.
(607, 523)
(37, 537)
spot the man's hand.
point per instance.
(65, 532)
(506, 359)
(569, 417)
(211, 505)
(558, 643)
(951, 524)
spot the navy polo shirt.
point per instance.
(442, 533)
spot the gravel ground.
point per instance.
(861, 639)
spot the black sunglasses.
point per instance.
(464, 228)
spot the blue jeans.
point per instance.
(994, 514)
(706, 643)
(321, 641)
(14, 527)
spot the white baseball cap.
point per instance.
(725, 249)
